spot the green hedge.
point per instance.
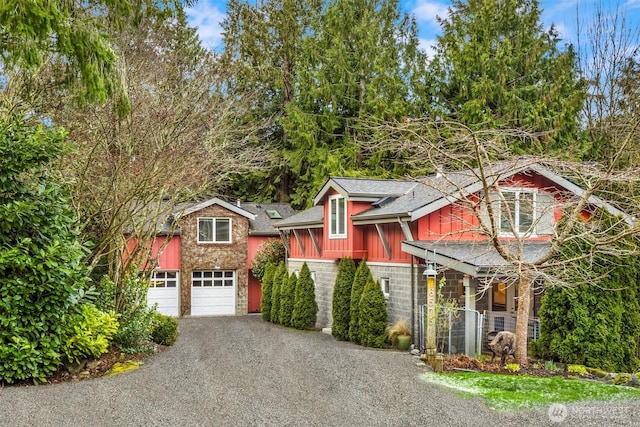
(361, 276)
(305, 308)
(341, 300)
(372, 316)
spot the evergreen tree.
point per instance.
(360, 61)
(75, 31)
(597, 326)
(281, 273)
(496, 67)
(305, 308)
(262, 41)
(267, 287)
(361, 277)
(372, 315)
(341, 301)
(287, 295)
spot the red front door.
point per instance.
(255, 294)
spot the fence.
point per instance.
(458, 330)
(496, 321)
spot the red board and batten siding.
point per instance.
(169, 256)
(394, 235)
(351, 246)
(457, 221)
(253, 245)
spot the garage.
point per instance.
(164, 291)
(213, 293)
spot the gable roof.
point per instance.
(266, 215)
(214, 201)
(413, 199)
(310, 218)
(364, 189)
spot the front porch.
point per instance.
(477, 295)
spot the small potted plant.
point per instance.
(399, 334)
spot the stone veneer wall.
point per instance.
(325, 274)
(202, 256)
(399, 301)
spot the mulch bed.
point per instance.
(93, 369)
(461, 362)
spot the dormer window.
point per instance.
(517, 211)
(337, 217)
(522, 212)
(214, 230)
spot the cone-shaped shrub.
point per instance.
(372, 315)
(287, 294)
(360, 279)
(341, 302)
(305, 308)
(281, 272)
(267, 284)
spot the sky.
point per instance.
(207, 15)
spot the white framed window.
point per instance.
(385, 285)
(214, 230)
(164, 279)
(215, 278)
(529, 211)
(337, 217)
(518, 211)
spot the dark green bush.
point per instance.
(287, 295)
(88, 333)
(135, 317)
(164, 329)
(372, 315)
(360, 279)
(594, 324)
(305, 308)
(270, 252)
(40, 257)
(281, 273)
(267, 287)
(341, 300)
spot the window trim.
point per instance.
(534, 214)
(341, 217)
(213, 278)
(166, 280)
(214, 220)
(386, 280)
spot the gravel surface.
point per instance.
(232, 371)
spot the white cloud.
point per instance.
(428, 46)
(426, 11)
(206, 17)
(632, 4)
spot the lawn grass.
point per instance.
(523, 392)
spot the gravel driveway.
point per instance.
(232, 371)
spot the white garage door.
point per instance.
(213, 293)
(164, 291)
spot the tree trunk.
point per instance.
(522, 323)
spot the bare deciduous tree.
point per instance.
(473, 162)
(180, 141)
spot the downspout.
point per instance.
(413, 296)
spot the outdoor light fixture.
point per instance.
(430, 274)
(216, 265)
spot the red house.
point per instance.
(396, 224)
(203, 265)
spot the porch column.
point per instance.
(470, 322)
